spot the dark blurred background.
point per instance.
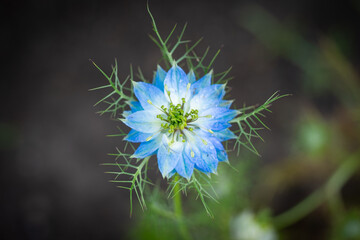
(52, 143)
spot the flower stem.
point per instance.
(330, 190)
(178, 209)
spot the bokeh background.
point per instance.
(52, 142)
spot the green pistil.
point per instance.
(176, 119)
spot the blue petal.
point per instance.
(159, 78)
(222, 155)
(212, 124)
(220, 150)
(218, 120)
(176, 83)
(135, 106)
(217, 125)
(147, 148)
(191, 76)
(220, 113)
(168, 156)
(145, 92)
(226, 103)
(224, 135)
(135, 136)
(185, 167)
(207, 162)
(203, 153)
(208, 97)
(143, 121)
(216, 143)
(170, 174)
(203, 82)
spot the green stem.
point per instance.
(327, 192)
(178, 209)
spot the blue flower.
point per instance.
(181, 120)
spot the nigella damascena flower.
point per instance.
(181, 120)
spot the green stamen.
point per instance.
(176, 119)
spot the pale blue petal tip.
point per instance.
(159, 78)
(135, 106)
(170, 174)
(191, 76)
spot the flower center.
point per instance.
(176, 118)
